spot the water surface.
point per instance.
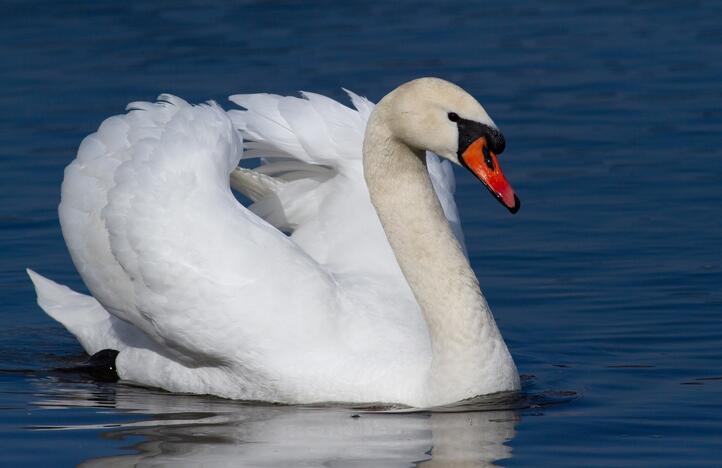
(606, 283)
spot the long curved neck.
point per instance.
(465, 341)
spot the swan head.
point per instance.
(431, 114)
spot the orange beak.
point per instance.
(485, 166)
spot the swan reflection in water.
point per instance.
(192, 430)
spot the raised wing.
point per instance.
(159, 239)
(312, 147)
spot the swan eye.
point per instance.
(453, 116)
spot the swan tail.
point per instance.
(139, 360)
(83, 316)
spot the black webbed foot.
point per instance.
(100, 366)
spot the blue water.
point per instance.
(607, 285)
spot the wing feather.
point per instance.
(161, 242)
(329, 214)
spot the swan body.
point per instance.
(346, 280)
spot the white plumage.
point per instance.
(201, 294)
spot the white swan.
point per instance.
(202, 295)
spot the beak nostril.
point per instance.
(487, 157)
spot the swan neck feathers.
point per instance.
(469, 354)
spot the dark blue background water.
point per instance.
(607, 283)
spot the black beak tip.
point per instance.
(517, 205)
